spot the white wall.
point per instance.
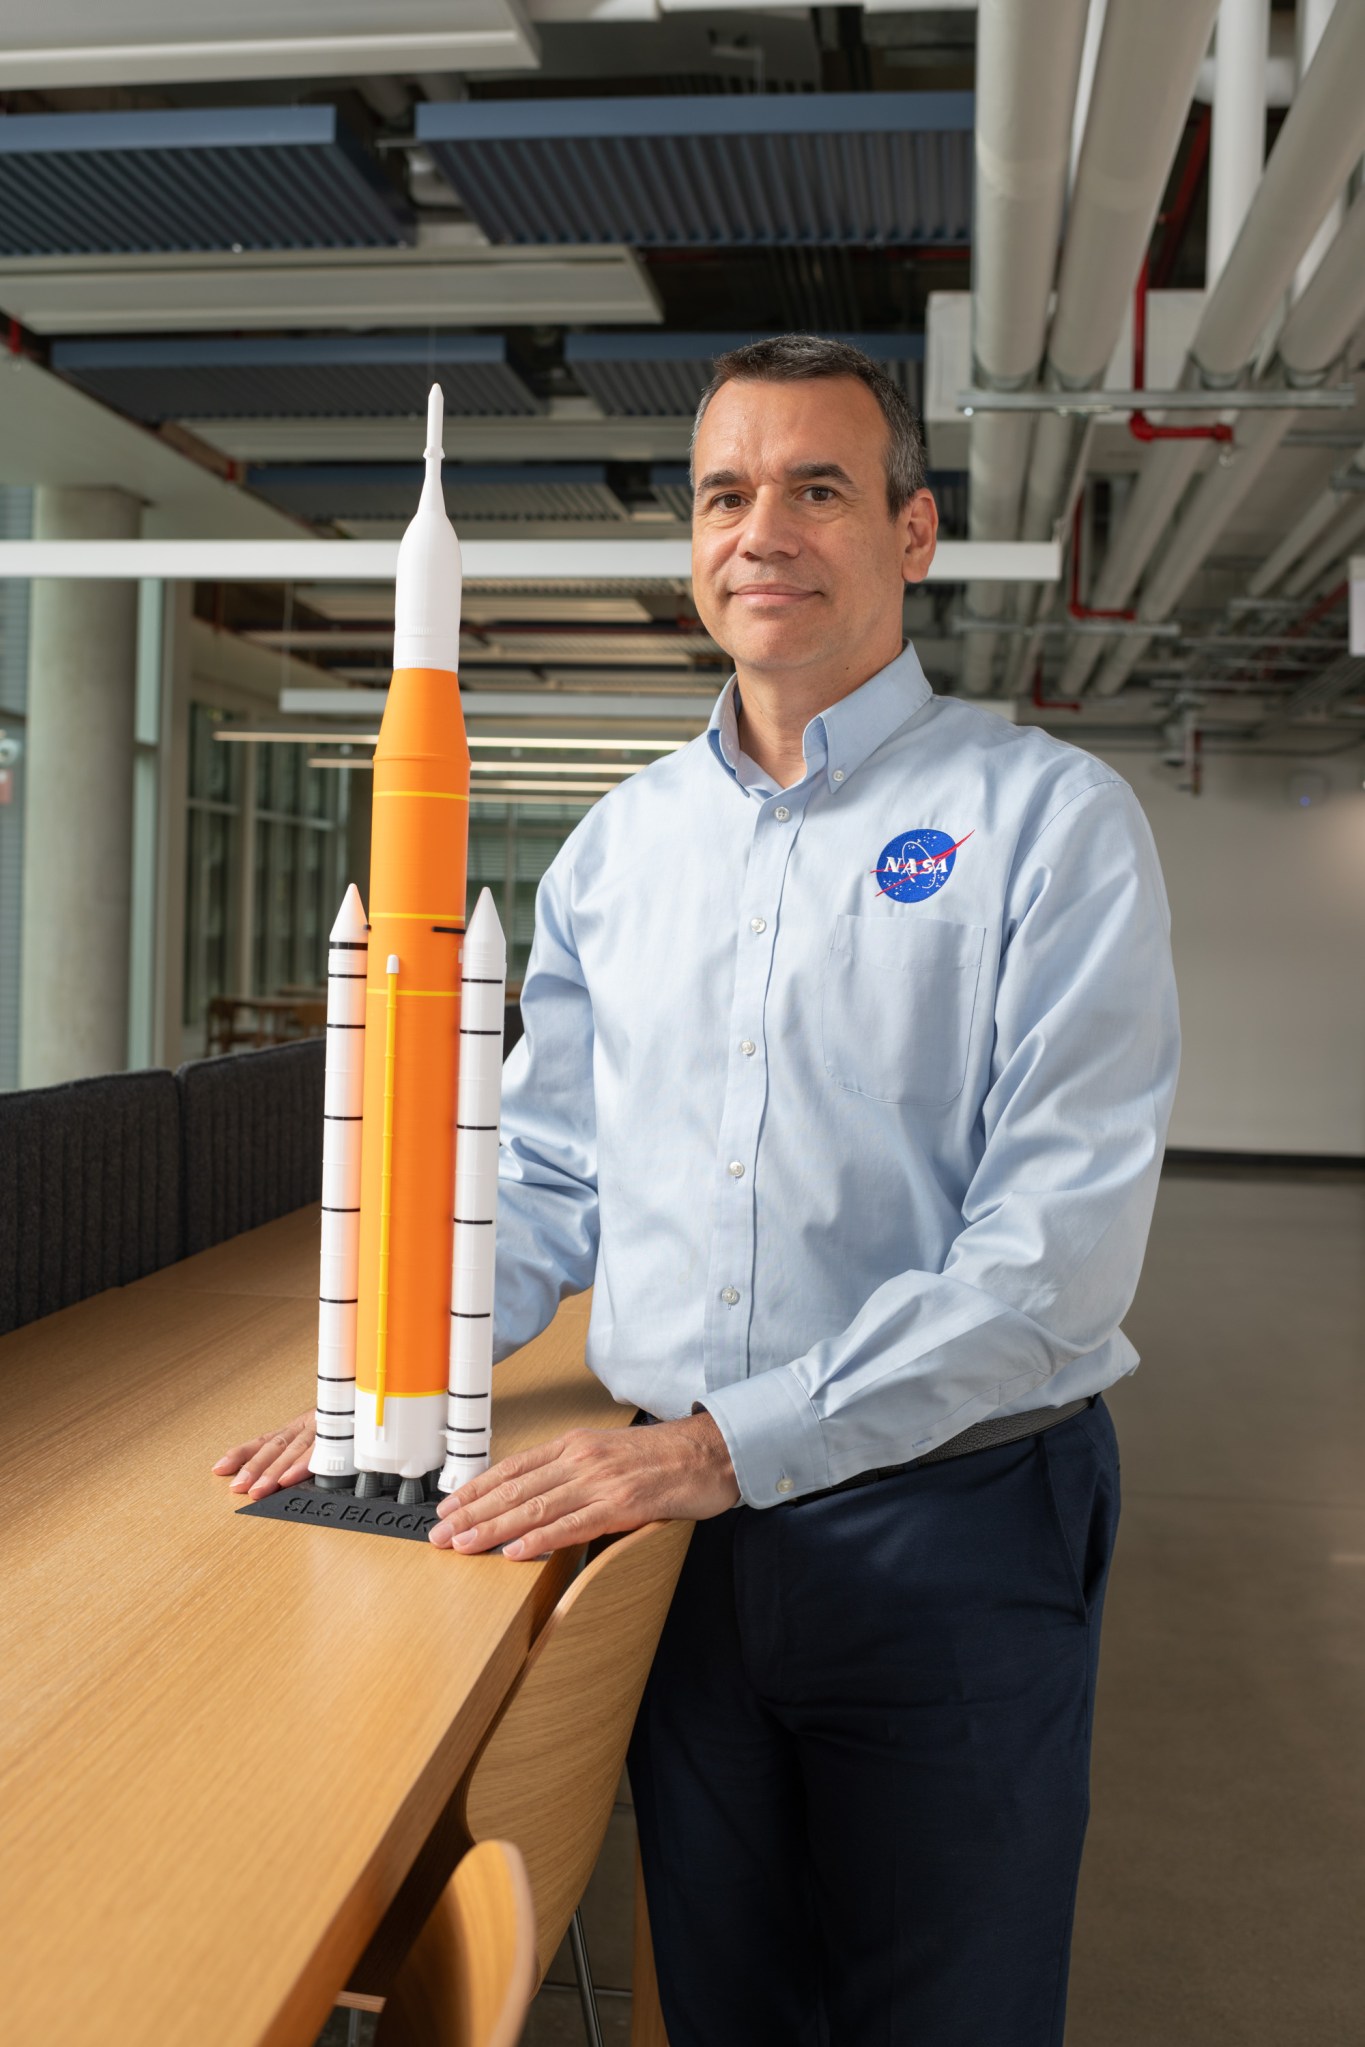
(1268, 921)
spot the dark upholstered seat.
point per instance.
(89, 1189)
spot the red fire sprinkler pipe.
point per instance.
(1139, 426)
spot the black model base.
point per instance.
(309, 1506)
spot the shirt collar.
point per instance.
(844, 736)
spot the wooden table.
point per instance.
(222, 1739)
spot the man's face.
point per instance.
(796, 561)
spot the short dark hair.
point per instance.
(789, 358)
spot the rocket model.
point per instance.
(409, 1200)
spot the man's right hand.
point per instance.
(265, 1464)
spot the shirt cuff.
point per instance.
(773, 1436)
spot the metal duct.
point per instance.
(1027, 66)
(1317, 149)
(653, 376)
(202, 178)
(1139, 103)
(1340, 541)
(368, 376)
(1143, 85)
(753, 170)
(1310, 19)
(1322, 136)
(1328, 311)
(1309, 528)
(385, 490)
(1331, 308)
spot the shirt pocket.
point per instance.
(898, 1004)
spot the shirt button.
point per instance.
(781, 813)
(747, 1047)
(838, 775)
(784, 1485)
(736, 1169)
(758, 925)
(729, 1294)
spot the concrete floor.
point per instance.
(1223, 1892)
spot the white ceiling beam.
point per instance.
(51, 433)
(373, 561)
(445, 283)
(578, 437)
(48, 43)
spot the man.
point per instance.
(850, 1043)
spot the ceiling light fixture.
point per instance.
(239, 737)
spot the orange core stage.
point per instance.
(419, 852)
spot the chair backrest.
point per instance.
(547, 1774)
(89, 1189)
(471, 1975)
(251, 1126)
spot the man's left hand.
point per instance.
(591, 1482)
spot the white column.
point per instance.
(78, 840)
(1237, 145)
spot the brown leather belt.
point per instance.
(991, 1434)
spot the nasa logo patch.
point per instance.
(916, 864)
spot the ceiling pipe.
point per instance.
(1139, 104)
(1310, 19)
(1238, 151)
(1317, 149)
(1320, 323)
(1085, 86)
(1027, 66)
(1341, 541)
(1307, 529)
(1322, 136)
(1309, 345)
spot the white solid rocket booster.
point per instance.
(470, 1398)
(333, 1460)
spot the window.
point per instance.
(266, 853)
(297, 868)
(211, 841)
(510, 847)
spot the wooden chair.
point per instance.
(547, 1773)
(471, 1975)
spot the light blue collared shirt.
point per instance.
(848, 1100)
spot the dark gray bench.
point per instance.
(89, 1189)
(251, 1139)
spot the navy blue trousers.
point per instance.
(861, 1764)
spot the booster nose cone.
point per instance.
(350, 923)
(484, 940)
(427, 597)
